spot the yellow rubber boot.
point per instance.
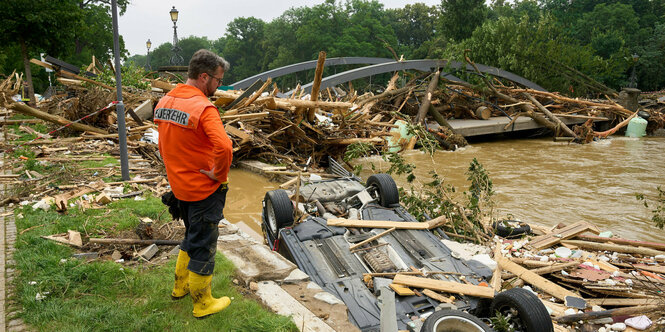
(181, 285)
(204, 303)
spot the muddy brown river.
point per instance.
(535, 180)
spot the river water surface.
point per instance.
(535, 180)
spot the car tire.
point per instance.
(277, 211)
(510, 232)
(523, 309)
(454, 321)
(386, 189)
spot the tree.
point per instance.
(459, 18)
(38, 25)
(413, 25)
(243, 50)
(192, 44)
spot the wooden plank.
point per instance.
(545, 241)
(362, 243)
(614, 247)
(536, 280)
(557, 309)
(438, 297)
(496, 280)
(445, 286)
(244, 137)
(387, 224)
(402, 290)
(622, 302)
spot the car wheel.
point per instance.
(508, 232)
(386, 189)
(453, 321)
(523, 310)
(277, 211)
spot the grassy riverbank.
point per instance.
(62, 293)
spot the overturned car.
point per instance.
(358, 264)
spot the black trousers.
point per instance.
(201, 230)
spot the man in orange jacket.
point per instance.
(197, 155)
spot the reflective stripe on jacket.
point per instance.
(192, 138)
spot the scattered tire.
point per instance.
(523, 309)
(453, 321)
(386, 189)
(277, 211)
(506, 231)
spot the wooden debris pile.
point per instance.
(303, 129)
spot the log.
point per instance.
(135, 241)
(427, 100)
(316, 84)
(623, 302)
(445, 286)
(614, 247)
(27, 110)
(634, 243)
(547, 269)
(550, 115)
(483, 112)
(324, 105)
(575, 101)
(349, 141)
(608, 313)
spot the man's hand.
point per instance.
(210, 174)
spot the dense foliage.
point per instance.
(563, 45)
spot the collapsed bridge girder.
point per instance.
(424, 65)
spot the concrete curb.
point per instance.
(272, 276)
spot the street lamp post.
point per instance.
(176, 59)
(633, 75)
(147, 45)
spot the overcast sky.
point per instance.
(203, 18)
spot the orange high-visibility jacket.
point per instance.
(192, 138)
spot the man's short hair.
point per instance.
(204, 61)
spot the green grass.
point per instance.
(107, 296)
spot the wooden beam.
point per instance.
(401, 290)
(362, 243)
(438, 297)
(614, 247)
(536, 280)
(387, 224)
(445, 286)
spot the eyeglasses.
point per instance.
(219, 79)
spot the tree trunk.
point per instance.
(427, 100)
(28, 73)
(318, 75)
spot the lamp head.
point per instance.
(174, 14)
